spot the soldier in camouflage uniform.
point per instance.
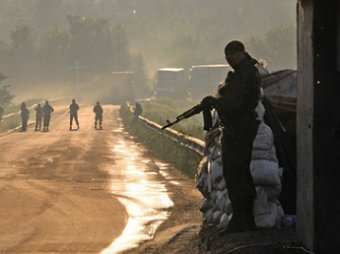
(236, 102)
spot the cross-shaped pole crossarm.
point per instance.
(77, 67)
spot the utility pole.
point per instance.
(77, 67)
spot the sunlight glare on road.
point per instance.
(142, 191)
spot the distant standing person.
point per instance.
(98, 110)
(47, 110)
(74, 107)
(38, 117)
(138, 111)
(2, 111)
(24, 112)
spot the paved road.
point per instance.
(52, 189)
(87, 191)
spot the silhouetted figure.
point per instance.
(138, 111)
(24, 112)
(47, 110)
(74, 107)
(2, 111)
(38, 117)
(236, 102)
(98, 110)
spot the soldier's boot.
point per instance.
(236, 224)
(241, 221)
(70, 128)
(250, 219)
(100, 127)
(77, 126)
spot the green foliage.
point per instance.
(100, 46)
(38, 43)
(182, 158)
(275, 47)
(96, 43)
(165, 108)
(140, 80)
(10, 123)
(14, 120)
(5, 95)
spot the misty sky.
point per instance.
(153, 34)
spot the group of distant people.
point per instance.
(43, 116)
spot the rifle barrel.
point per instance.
(189, 113)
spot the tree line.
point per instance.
(42, 38)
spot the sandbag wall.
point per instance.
(216, 205)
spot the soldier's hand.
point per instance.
(209, 102)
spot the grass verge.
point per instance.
(160, 146)
(14, 120)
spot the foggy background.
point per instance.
(40, 41)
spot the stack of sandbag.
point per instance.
(267, 178)
(216, 205)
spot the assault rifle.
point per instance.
(191, 112)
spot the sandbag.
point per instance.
(261, 205)
(269, 155)
(273, 191)
(220, 185)
(228, 209)
(224, 221)
(264, 139)
(272, 219)
(209, 216)
(204, 205)
(217, 216)
(217, 170)
(260, 110)
(265, 172)
(202, 184)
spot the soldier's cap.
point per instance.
(234, 46)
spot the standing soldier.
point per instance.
(38, 117)
(98, 110)
(74, 107)
(138, 111)
(24, 112)
(235, 104)
(47, 110)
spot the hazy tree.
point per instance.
(55, 51)
(23, 52)
(120, 48)
(140, 79)
(5, 95)
(47, 13)
(96, 44)
(276, 47)
(23, 38)
(102, 33)
(183, 52)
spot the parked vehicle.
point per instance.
(204, 79)
(171, 82)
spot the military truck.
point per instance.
(171, 82)
(204, 79)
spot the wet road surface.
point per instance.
(138, 185)
(85, 191)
